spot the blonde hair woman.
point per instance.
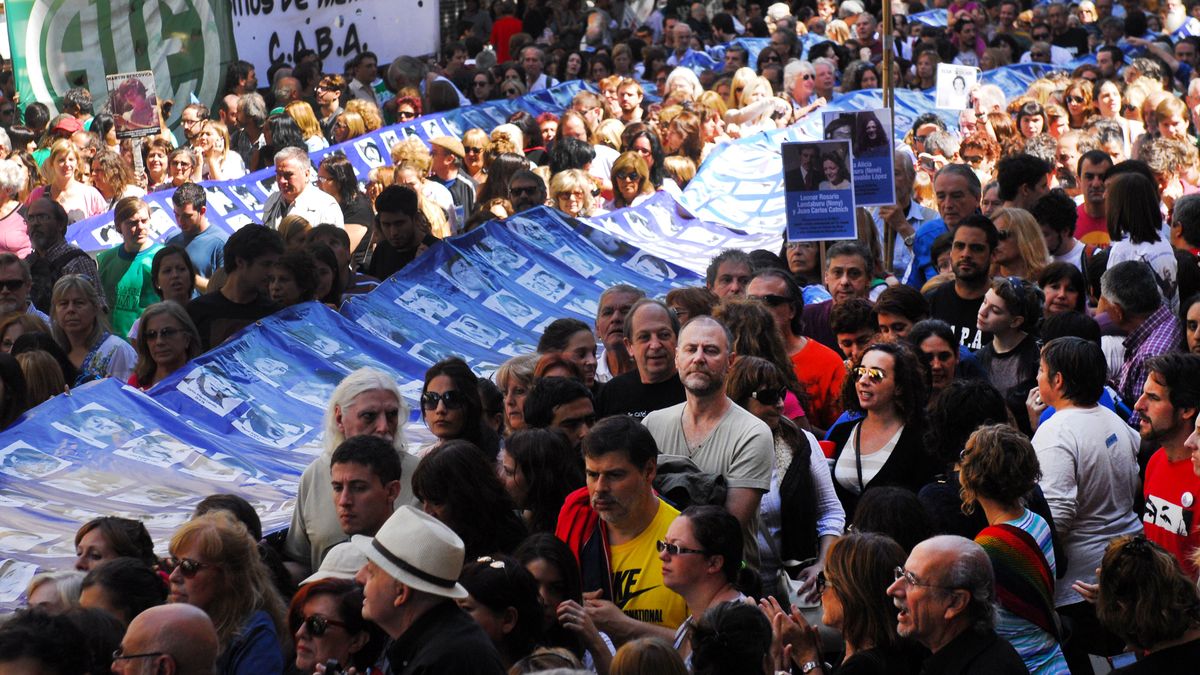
(372, 118)
(216, 160)
(608, 133)
(302, 114)
(757, 106)
(216, 566)
(631, 181)
(741, 78)
(1021, 251)
(58, 173)
(79, 327)
(571, 192)
(475, 142)
(43, 376)
(348, 125)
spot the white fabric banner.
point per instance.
(268, 31)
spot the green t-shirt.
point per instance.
(127, 283)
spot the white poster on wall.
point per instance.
(270, 31)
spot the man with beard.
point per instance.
(957, 190)
(708, 428)
(958, 303)
(1167, 414)
(526, 190)
(52, 256)
(848, 274)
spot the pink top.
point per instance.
(93, 203)
(14, 234)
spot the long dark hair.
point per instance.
(551, 472)
(638, 130)
(342, 172)
(13, 400)
(499, 583)
(475, 428)
(457, 477)
(551, 550)
(910, 391)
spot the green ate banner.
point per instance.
(60, 44)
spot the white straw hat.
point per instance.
(417, 550)
(341, 562)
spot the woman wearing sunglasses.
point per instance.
(452, 409)
(1078, 100)
(167, 339)
(631, 181)
(1021, 249)
(701, 556)
(215, 565)
(326, 619)
(801, 515)
(883, 444)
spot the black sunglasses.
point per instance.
(770, 396)
(522, 190)
(317, 624)
(405, 115)
(771, 300)
(627, 175)
(12, 284)
(453, 399)
(674, 550)
(186, 566)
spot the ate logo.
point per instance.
(623, 584)
(69, 43)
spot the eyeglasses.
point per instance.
(627, 175)
(806, 77)
(874, 374)
(512, 92)
(973, 160)
(471, 150)
(316, 625)
(119, 655)
(769, 396)
(164, 333)
(12, 284)
(453, 399)
(405, 114)
(181, 163)
(519, 190)
(481, 83)
(940, 357)
(1003, 235)
(912, 580)
(771, 300)
(186, 566)
(673, 550)
(920, 138)
(1074, 99)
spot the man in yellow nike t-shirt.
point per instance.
(613, 525)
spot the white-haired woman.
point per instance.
(367, 401)
(79, 327)
(684, 81)
(14, 233)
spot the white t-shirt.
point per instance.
(1089, 467)
(1074, 256)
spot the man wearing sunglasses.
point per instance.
(15, 282)
(366, 403)
(526, 190)
(944, 594)
(817, 367)
(177, 638)
(652, 330)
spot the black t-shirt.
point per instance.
(1074, 40)
(386, 260)
(944, 304)
(626, 395)
(1178, 659)
(217, 317)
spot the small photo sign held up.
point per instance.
(819, 190)
(133, 103)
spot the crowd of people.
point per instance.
(968, 442)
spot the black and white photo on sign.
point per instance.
(429, 352)
(954, 85)
(650, 266)
(368, 149)
(264, 424)
(91, 482)
(155, 448)
(426, 304)
(512, 307)
(22, 460)
(530, 230)
(97, 426)
(500, 255)
(571, 258)
(155, 496)
(218, 201)
(542, 283)
(585, 306)
(212, 390)
(470, 328)
(464, 275)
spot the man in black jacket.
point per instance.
(410, 583)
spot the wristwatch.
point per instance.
(908, 241)
(810, 666)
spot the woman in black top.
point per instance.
(336, 177)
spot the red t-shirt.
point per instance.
(1090, 230)
(502, 30)
(820, 371)
(1172, 490)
